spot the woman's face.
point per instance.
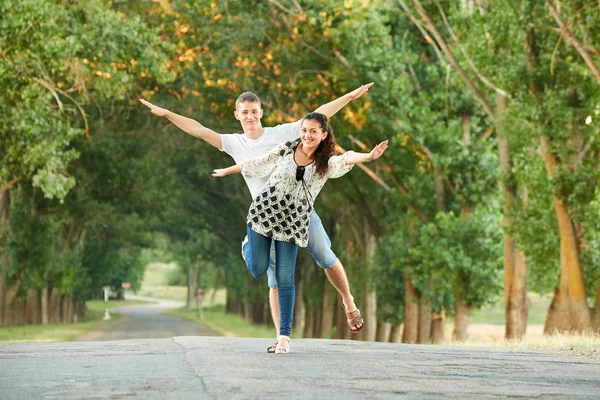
(312, 134)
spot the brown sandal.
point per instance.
(271, 349)
(356, 320)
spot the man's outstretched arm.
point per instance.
(187, 125)
(336, 105)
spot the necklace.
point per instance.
(302, 151)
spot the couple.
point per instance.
(298, 173)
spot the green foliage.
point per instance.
(56, 59)
(96, 178)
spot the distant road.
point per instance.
(145, 321)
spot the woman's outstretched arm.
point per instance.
(342, 164)
(356, 158)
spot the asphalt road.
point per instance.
(235, 368)
(145, 321)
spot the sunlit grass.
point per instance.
(541, 342)
(46, 333)
(155, 285)
(494, 314)
(62, 332)
(231, 325)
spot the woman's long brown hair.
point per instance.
(327, 147)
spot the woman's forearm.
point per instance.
(357, 158)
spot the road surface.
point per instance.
(196, 367)
(145, 321)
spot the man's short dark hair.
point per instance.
(247, 97)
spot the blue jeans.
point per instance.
(257, 253)
(319, 247)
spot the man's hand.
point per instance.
(378, 150)
(220, 173)
(355, 94)
(331, 108)
(161, 112)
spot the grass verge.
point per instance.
(62, 332)
(230, 325)
(494, 314)
(535, 342)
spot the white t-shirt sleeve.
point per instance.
(287, 132)
(227, 143)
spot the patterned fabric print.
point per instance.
(282, 209)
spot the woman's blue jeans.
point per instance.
(256, 254)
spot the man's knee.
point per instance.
(335, 267)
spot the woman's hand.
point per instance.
(378, 150)
(219, 173)
(161, 112)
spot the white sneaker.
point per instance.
(243, 244)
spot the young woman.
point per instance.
(281, 212)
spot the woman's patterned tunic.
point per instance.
(282, 209)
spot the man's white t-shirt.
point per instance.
(241, 147)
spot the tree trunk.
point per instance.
(65, 307)
(339, 318)
(425, 311)
(596, 321)
(9, 296)
(396, 334)
(247, 311)
(369, 332)
(32, 310)
(53, 305)
(570, 265)
(569, 249)
(411, 313)
(192, 285)
(557, 319)
(2, 293)
(258, 308)
(513, 319)
(461, 317)
(369, 312)
(438, 335)
(516, 305)
(299, 302)
(317, 326)
(329, 295)
(44, 305)
(4, 204)
(345, 332)
(383, 331)
(309, 323)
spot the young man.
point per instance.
(256, 140)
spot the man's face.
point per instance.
(249, 114)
